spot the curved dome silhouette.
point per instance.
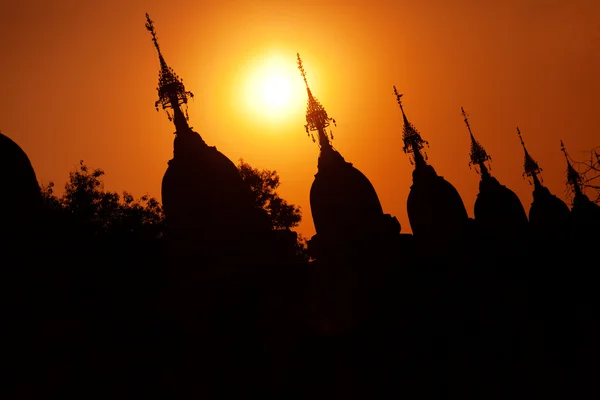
(202, 190)
(342, 199)
(17, 180)
(585, 215)
(498, 210)
(434, 206)
(548, 213)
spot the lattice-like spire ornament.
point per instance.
(171, 92)
(478, 154)
(532, 169)
(413, 142)
(316, 116)
(574, 179)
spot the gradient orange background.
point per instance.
(78, 81)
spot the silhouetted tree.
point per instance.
(50, 200)
(89, 209)
(87, 204)
(590, 172)
(263, 184)
(302, 249)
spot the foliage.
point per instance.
(263, 185)
(50, 201)
(103, 212)
(302, 249)
(91, 210)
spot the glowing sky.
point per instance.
(78, 81)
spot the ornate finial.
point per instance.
(171, 92)
(531, 167)
(150, 28)
(478, 154)
(316, 116)
(399, 99)
(413, 142)
(301, 68)
(573, 177)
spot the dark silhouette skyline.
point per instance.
(509, 64)
(209, 293)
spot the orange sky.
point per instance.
(79, 81)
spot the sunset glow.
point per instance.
(79, 83)
(272, 88)
(275, 92)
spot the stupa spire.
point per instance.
(413, 142)
(574, 179)
(172, 95)
(531, 167)
(316, 116)
(478, 154)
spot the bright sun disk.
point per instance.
(275, 92)
(274, 88)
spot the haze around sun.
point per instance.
(273, 88)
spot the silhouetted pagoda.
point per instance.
(207, 205)
(585, 214)
(548, 214)
(499, 213)
(21, 203)
(345, 207)
(21, 247)
(436, 211)
(228, 315)
(219, 243)
(354, 246)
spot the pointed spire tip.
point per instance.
(171, 91)
(301, 68)
(316, 116)
(413, 142)
(573, 177)
(477, 154)
(530, 166)
(399, 98)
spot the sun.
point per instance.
(275, 91)
(273, 87)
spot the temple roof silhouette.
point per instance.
(21, 205)
(548, 213)
(434, 206)
(585, 214)
(498, 210)
(202, 189)
(343, 201)
(17, 179)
